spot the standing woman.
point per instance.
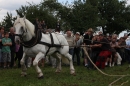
(1, 36)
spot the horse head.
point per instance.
(23, 28)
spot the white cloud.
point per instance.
(11, 5)
(128, 2)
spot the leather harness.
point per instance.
(37, 40)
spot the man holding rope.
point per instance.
(87, 41)
(105, 52)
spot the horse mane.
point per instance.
(27, 24)
(30, 26)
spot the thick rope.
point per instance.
(121, 76)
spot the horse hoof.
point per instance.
(41, 77)
(74, 74)
(58, 71)
(23, 75)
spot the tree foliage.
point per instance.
(7, 21)
(113, 16)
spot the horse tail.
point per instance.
(65, 60)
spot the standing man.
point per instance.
(77, 49)
(12, 47)
(43, 24)
(71, 42)
(87, 41)
(58, 27)
(105, 52)
(36, 24)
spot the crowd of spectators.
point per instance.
(10, 50)
(104, 50)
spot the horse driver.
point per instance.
(39, 25)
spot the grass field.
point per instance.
(84, 77)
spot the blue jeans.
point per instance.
(71, 51)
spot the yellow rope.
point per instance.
(121, 76)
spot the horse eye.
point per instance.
(21, 29)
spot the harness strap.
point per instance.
(52, 41)
(47, 51)
(50, 45)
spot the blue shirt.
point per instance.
(128, 44)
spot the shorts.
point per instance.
(6, 57)
(106, 54)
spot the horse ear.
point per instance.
(24, 17)
(18, 16)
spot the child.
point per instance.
(6, 52)
(17, 46)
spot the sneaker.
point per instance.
(4, 67)
(113, 64)
(110, 65)
(86, 65)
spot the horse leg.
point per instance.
(35, 63)
(72, 70)
(58, 68)
(22, 62)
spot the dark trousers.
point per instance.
(71, 51)
(94, 55)
(77, 53)
(19, 57)
(89, 62)
(127, 52)
(12, 58)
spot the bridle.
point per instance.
(36, 40)
(24, 31)
(20, 35)
(33, 41)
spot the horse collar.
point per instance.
(33, 41)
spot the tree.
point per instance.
(37, 11)
(111, 14)
(80, 15)
(8, 21)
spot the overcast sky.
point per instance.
(11, 5)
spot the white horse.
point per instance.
(38, 46)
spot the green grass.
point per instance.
(84, 77)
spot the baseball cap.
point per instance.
(78, 33)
